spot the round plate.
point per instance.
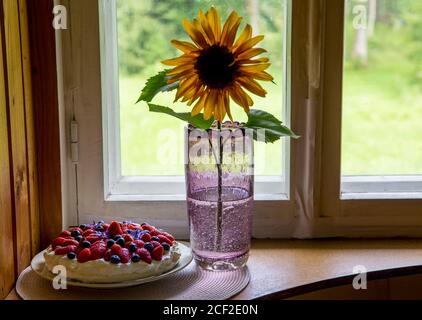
(38, 265)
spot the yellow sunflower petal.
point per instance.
(226, 103)
(185, 86)
(253, 61)
(184, 46)
(252, 86)
(215, 23)
(244, 36)
(264, 76)
(248, 54)
(180, 69)
(199, 106)
(240, 97)
(185, 59)
(203, 20)
(248, 44)
(210, 104)
(196, 35)
(255, 68)
(230, 29)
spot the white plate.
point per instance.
(38, 265)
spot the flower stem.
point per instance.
(219, 218)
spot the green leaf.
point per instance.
(274, 129)
(197, 121)
(155, 85)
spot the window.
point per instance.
(382, 100)
(348, 175)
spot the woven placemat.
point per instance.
(191, 283)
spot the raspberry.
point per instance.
(157, 253)
(124, 256)
(145, 255)
(107, 255)
(155, 244)
(84, 255)
(139, 243)
(98, 250)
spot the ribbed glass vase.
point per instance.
(219, 181)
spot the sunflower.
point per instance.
(217, 68)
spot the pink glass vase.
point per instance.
(219, 181)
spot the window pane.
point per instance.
(382, 96)
(145, 29)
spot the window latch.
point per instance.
(74, 141)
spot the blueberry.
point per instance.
(86, 244)
(166, 246)
(155, 238)
(79, 238)
(82, 226)
(136, 258)
(121, 242)
(75, 233)
(99, 228)
(115, 259)
(71, 255)
(133, 247)
(117, 237)
(149, 246)
(110, 243)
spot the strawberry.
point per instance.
(168, 235)
(154, 232)
(116, 249)
(155, 244)
(87, 232)
(65, 234)
(84, 255)
(146, 237)
(115, 229)
(147, 227)
(128, 238)
(60, 251)
(106, 226)
(70, 242)
(157, 253)
(93, 238)
(58, 242)
(98, 250)
(124, 255)
(165, 239)
(145, 255)
(107, 255)
(139, 243)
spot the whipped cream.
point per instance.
(101, 271)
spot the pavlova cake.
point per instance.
(115, 252)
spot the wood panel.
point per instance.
(7, 265)
(16, 102)
(46, 114)
(30, 130)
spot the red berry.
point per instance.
(134, 226)
(70, 242)
(164, 239)
(64, 250)
(65, 234)
(146, 237)
(155, 244)
(139, 243)
(58, 242)
(124, 256)
(145, 255)
(128, 238)
(86, 233)
(157, 253)
(116, 249)
(105, 226)
(115, 229)
(98, 250)
(84, 255)
(107, 255)
(93, 238)
(168, 235)
(147, 227)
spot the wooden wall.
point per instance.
(19, 201)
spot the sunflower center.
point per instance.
(216, 67)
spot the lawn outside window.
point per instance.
(300, 194)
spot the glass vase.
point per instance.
(219, 181)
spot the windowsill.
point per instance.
(288, 268)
